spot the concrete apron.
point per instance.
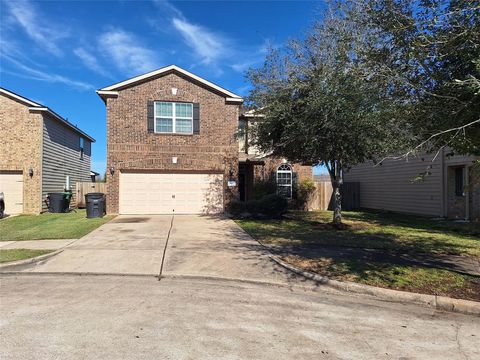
(216, 247)
(188, 246)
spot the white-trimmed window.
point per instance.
(171, 118)
(284, 180)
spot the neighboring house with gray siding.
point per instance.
(41, 153)
(452, 189)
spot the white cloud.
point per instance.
(211, 47)
(126, 53)
(91, 61)
(36, 26)
(35, 74)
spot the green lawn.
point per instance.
(372, 230)
(397, 277)
(20, 254)
(369, 230)
(49, 226)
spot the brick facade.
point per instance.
(131, 148)
(21, 134)
(272, 163)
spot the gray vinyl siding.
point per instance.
(390, 187)
(61, 157)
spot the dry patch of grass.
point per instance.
(398, 277)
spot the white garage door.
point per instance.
(12, 187)
(142, 193)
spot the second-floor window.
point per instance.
(171, 118)
(82, 147)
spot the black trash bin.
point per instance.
(56, 202)
(2, 205)
(95, 205)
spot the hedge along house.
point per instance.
(173, 145)
(41, 153)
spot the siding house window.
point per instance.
(284, 180)
(82, 147)
(459, 181)
(171, 118)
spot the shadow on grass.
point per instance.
(369, 230)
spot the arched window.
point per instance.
(284, 180)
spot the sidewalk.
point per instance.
(463, 264)
(36, 244)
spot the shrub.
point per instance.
(253, 207)
(236, 207)
(263, 188)
(304, 192)
(271, 205)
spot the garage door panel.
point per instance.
(142, 193)
(12, 187)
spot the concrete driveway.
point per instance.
(181, 245)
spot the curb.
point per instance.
(433, 301)
(166, 277)
(79, 274)
(29, 261)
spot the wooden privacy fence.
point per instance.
(322, 198)
(83, 188)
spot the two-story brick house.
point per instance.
(172, 144)
(41, 152)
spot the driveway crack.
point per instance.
(165, 249)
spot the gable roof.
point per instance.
(112, 90)
(36, 107)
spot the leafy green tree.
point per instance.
(373, 79)
(319, 106)
(429, 53)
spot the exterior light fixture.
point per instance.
(30, 172)
(112, 170)
(230, 172)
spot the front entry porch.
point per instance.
(246, 174)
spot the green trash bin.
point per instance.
(67, 195)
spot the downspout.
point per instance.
(42, 149)
(467, 194)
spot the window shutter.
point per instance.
(150, 117)
(196, 118)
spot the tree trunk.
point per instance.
(336, 177)
(337, 203)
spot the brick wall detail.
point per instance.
(131, 148)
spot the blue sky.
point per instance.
(58, 52)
